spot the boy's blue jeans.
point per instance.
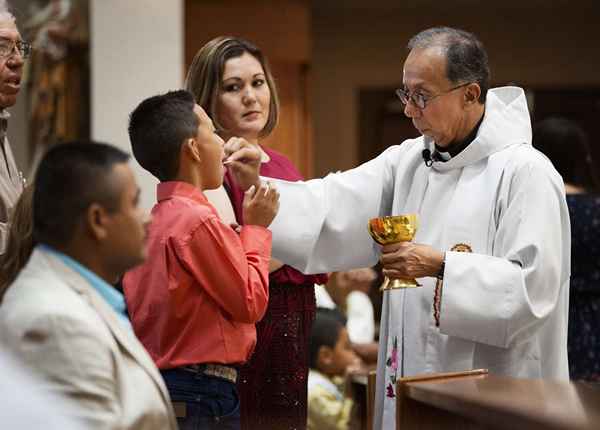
(211, 402)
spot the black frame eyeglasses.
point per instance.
(7, 48)
(420, 100)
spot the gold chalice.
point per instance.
(394, 229)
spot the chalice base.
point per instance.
(398, 284)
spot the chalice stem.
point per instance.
(394, 229)
(398, 284)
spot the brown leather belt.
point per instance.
(217, 370)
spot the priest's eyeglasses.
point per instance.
(7, 48)
(420, 100)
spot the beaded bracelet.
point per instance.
(437, 296)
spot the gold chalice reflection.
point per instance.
(394, 229)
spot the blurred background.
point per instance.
(336, 62)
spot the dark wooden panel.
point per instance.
(500, 403)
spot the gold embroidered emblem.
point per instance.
(461, 247)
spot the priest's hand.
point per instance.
(243, 160)
(410, 260)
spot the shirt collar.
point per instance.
(169, 189)
(113, 297)
(316, 378)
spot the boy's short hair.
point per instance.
(158, 126)
(325, 332)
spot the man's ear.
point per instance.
(472, 93)
(190, 148)
(96, 220)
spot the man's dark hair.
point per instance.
(157, 129)
(325, 332)
(466, 58)
(566, 144)
(69, 179)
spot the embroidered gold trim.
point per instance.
(461, 247)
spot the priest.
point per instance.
(492, 251)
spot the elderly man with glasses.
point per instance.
(13, 52)
(492, 251)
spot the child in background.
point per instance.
(331, 358)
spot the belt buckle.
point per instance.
(220, 371)
(216, 370)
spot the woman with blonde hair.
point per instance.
(231, 79)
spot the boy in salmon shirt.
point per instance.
(194, 302)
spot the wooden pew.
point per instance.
(370, 398)
(363, 382)
(476, 400)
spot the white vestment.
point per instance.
(504, 305)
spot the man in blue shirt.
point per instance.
(61, 317)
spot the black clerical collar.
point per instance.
(457, 147)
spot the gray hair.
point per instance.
(466, 58)
(5, 12)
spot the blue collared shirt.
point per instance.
(112, 296)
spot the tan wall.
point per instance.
(130, 61)
(281, 28)
(543, 46)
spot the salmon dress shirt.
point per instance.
(203, 285)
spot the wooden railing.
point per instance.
(477, 400)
